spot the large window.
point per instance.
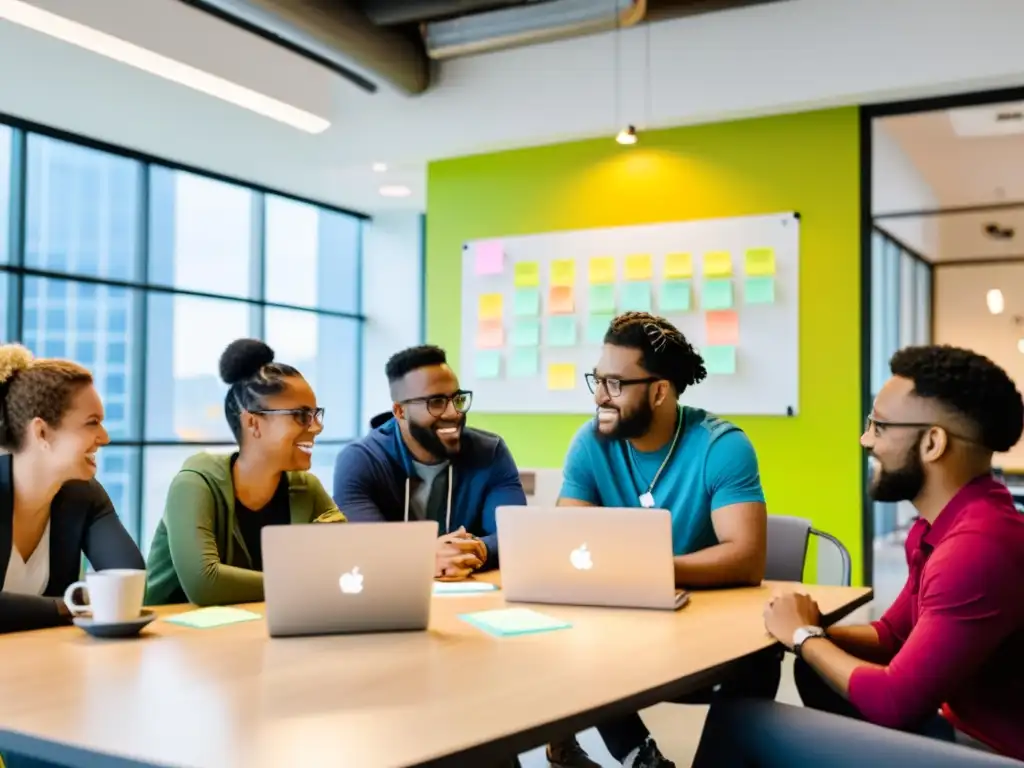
(144, 273)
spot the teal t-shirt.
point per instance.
(713, 466)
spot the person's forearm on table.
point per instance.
(861, 641)
(725, 564)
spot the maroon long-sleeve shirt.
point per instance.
(956, 632)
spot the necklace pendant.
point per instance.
(647, 500)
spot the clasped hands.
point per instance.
(458, 554)
(787, 612)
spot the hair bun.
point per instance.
(13, 358)
(243, 359)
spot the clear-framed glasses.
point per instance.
(613, 386)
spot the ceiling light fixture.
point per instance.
(395, 191)
(38, 20)
(994, 300)
(627, 136)
(380, 167)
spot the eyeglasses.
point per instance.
(877, 426)
(614, 386)
(438, 404)
(304, 417)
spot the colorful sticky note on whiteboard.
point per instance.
(524, 362)
(563, 272)
(722, 327)
(602, 298)
(638, 266)
(562, 331)
(717, 294)
(759, 290)
(759, 261)
(601, 270)
(491, 305)
(526, 274)
(488, 364)
(526, 302)
(490, 257)
(675, 296)
(526, 332)
(560, 300)
(717, 264)
(678, 266)
(636, 297)
(597, 327)
(561, 376)
(719, 359)
(490, 334)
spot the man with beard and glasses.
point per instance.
(644, 449)
(945, 660)
(426, 464)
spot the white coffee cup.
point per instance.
(114, 595)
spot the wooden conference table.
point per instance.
(231, 696)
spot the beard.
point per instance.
(901, 484)
(432, 444)
(630, 426)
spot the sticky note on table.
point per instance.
(490, 257)
(759, 290)
(524, 362)
(718, 264)
(488, 364)
(526, 302)
(491, 305)
(678, 265)
(675, 296)
(601, 298)
(526, 274)
(601, 270)
(720, 359)
(490, 334)
(509, 622)
(638, 266)
(759, 261)
(560, 300)
(597, 327)
(526, 332)
(562, 331)
(717, 294)
(462, 587)
(636, 297)
(722, 327)
(214, 616)
(561, 376)
(563, 272)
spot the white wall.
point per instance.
(392, 300)
(897, 185)
(962, 319)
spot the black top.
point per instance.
(82, 521)
(277, 511)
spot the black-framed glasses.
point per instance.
(437, 404)
(304, 417)
(877, 426)
(614, 386)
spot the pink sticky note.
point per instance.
(490, 334)
(490, 258)
(723, 327)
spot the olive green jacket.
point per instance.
(198, 555)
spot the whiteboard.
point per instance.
(765, 376)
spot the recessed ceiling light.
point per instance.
(30, 17)
(395, 191)
(380, 167)
(995, 302)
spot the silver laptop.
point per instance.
(615, 557)
(328, 578)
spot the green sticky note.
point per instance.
(636, 297)
(675, 296)
(561, 331)
(720, 359)
(759, 290)
(524, 362)
(215, 616)
(597, 327)
(526, 302)
(602, 298)
(526, 332)
(508, 622)
(718, 294)
(488, 364)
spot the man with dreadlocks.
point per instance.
(644, 449)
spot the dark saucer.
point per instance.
(115, 629)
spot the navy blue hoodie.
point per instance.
(370, 476)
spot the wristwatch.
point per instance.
(803, 634)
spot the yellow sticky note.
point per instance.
(678, 266)
(563, 272)
(602, 270)
(561, 376)
(638, 267)
(717, 264)
(527, 274)
(759, 261)
(490, 306)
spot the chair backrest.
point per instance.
(787, 549)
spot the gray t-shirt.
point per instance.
(428, 496)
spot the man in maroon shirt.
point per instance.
(946, 659)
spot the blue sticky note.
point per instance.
(488, 363)
(675, 296)
(720, 359)
(508, 622)
(526, 302)
(759, 290)
(602, 298)
(636, 297)
(524, 362)
(718, 294)
(597, 327)
(526, 332)
(561, 331)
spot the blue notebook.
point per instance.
(508, 622)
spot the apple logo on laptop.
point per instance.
(351, 583)
(580, 558)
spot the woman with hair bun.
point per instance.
(52, 509)
(207, 549)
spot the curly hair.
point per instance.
(247, 366)
(970, 385)
(31, 389)
(664, 351)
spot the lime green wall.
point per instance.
(811, 464)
